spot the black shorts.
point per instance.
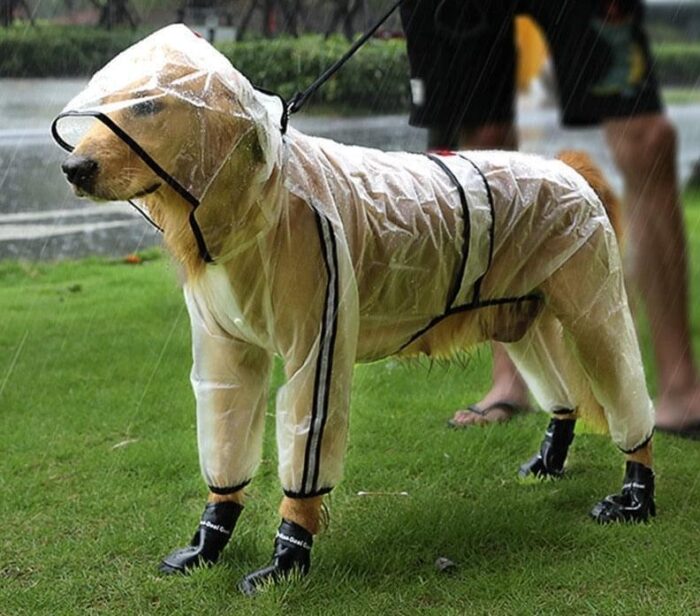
(463, 60)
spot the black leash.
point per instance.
(299, 99)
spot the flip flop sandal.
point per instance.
(509, 407)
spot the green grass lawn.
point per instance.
(99, 478)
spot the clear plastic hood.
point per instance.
(193, 120)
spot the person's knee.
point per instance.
(644, 146)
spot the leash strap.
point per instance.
(299, 99)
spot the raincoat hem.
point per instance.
(229, 489)
(641, 445)
(318, 492)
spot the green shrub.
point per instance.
(53, 51)
(678, 63)
(375, 79)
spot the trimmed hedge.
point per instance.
(678, 63)
(375, 79)
(60, 51)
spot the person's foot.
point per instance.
(496, 407)
(679, 412)
(508, 395)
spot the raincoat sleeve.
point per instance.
(230, 379)
(313, 405)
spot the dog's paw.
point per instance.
(184, 560)
(291, 556)
(214, 532)
(535, 469)
(636, 501)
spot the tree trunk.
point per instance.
(7, 11)
(349, 21)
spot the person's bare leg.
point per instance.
(508, 386)
(508, 394)
(645, 151)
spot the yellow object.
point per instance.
(532, 50)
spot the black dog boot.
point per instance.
(549, 460)
(292, 553)
(215, 529)
(636, 501)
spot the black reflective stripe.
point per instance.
(324, 362)
(499, 301)
(492, 229)
(199, 237)
(146, 216)
(229, 489)
(466, 231)
(476, 302)
(468, 307)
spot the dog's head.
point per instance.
(170, 123)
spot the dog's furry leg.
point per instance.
(301, 519)
(643, 456)
(306, 512)
(215, 529)
(549, 461)
(635, 503)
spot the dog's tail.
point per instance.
(583, 164)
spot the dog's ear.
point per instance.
(233, 210)
(257, 154)
(221, 160)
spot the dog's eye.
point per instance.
(146, 108)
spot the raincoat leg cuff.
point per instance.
(228, 489)
(320, 492)
(562, 412)
(641, 445)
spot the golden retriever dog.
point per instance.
(326, 255)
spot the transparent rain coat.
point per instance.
(326, 254)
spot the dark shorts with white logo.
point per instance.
(463, 60)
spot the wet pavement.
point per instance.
(40, 218)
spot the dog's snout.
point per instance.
(80, 170)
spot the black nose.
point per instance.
(80, 170)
